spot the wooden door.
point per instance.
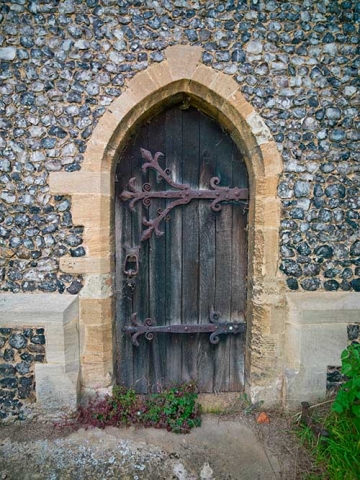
(199, 264)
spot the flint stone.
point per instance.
(337, 135)
(291, 268)
(9, 382)
(311, 269)
(8, 355)
(7, 53)
(17, 341)
(324, 251)
(333, 113)
(301, 189)
(353, 332)
(75, 287)
(6, 370)
(38, 339)
(284, 190)
(355, 284)
(331, 285)
(346, 273)
(77, 252)
(292, 283)
(23, 368)
(345, 285)
(355, 249)
(310, 284)
(255, 47)
(335, 190)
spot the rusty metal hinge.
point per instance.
(182, 194)
(216, 328)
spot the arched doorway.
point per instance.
(191, 280)
(92, 194)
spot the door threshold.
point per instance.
(222, 402)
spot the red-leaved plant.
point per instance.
(174, 409)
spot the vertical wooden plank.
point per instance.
(124, 351)
(190, 241)
(157, 278)
(207, 219)
(141, 354)
(173, 266)
(238, 275)
(223, 263)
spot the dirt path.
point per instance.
(222, 449)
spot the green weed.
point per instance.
(348, 397)
(339, 453)
(174, 409)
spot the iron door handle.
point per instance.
(131, 263)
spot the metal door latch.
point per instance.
(131, 265)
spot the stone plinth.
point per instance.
(57, 380)
(316, 334)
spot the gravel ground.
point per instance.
(225, 448)
(88, 455)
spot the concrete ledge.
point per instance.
(57, 381)
(315, 336)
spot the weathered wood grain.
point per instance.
(199, 265)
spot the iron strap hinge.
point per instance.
(181, 195)
(216, 328)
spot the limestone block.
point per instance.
(97, 286)
(269, 394)
(315, 336)
(97, 339)
(96, 375)
(160, 74)
(266, 186)
(304, 385)
(238, 101)
(109, 123)
(258, 128)
(57, 391)
(182, 60)
(278, 315)
(204, 75)
(121, 106)
(141, 85)
(224, 86)
(271, 253)
(84, 265)
(98, 240)
(91, 209)
(63, 183)
(57, 381)
(246, 143)
(273, 164)
(62, 343)
(267, 212)
(96, 311)
(96, 148)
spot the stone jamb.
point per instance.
(92, 191)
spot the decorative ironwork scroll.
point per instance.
(182, 194)
(216, 328)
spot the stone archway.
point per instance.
(91, 190)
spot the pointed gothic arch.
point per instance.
(92, 190)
